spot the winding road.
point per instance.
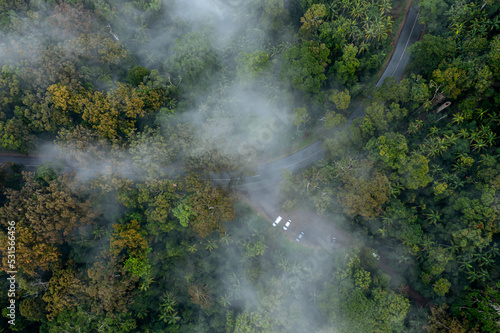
(269, 175)
(395, 68)
(262, 190)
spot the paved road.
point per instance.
(262, 190)
(400, 58)
(395, 68)
(269, 175)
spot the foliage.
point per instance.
(341, 99)
(153, 104)
(193, 57)
(364, 193)
(344, 299)
(347, 66)
(428, 53)
(251, 65)
(304, 66)
(47, 216)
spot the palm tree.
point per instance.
(192, 248)
(351, 27)
(442, 145)
(474, 136)
(427, 243)
(480, 112)
(168, 303)
(188, 277)
(358, 11)
(487, 160)
(415, 126)
(384, 6)
(225, 301)
(235, 286)
(429, 147)
(388, 23)
(335, 5)
(450, 139)
(396, 189)
(211, 245)
(433, 131)
(387, 220)
(284, 265)
(346, 5)
(433, 217)
(363, 47)
(380, 29)
(421, 149)
(458, 118)
(369, 32)
(494, 117)
(436, 169)
(463, 133)
(479, 145)
(366, 21)
(144, 286)
(226, 238)
(490, 138)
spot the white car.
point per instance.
(278, 220)
(287, 224)
(300, 236)
(332, 243)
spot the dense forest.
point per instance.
(136, 107)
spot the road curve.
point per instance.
(270, 174)
(395, 68)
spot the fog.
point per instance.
(247, 120)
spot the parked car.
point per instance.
(278, 220)
(333, 241)
(287, 224)
(300, 236)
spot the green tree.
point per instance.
(136, 75)
(333, 120)
(378, 118)
(82, 320)
(428, 53)
(194, 57)
(253, 64)
(453, 80)
(300, 116)
(312, 19)
(249, 322)
(304, 66)
(390, 148)
(431, 13)
(415, 173)
(341, 99)
(343, 303)
(347, 66)
(14, 135)
(441, 286)
(480, 308)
